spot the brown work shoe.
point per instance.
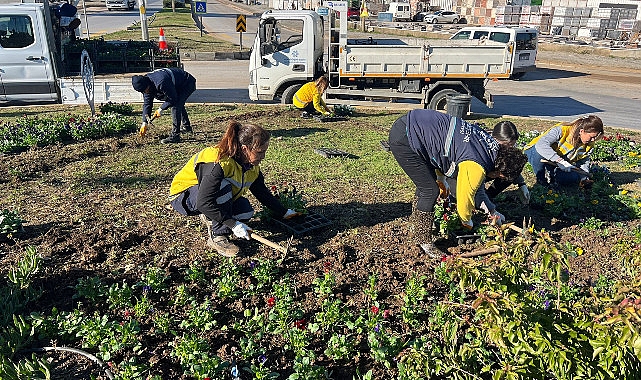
(222, 245)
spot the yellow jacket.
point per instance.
(240, 182)
(308, 94)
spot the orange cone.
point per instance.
(162, 43)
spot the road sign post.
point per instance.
(201, 7)
(241, 26)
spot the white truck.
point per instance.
(41, 60)
(289, 51)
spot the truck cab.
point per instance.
(27, 65)
(287, 53)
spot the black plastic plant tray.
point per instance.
(330, 152)
(466, 238)
(385, 145)
(329, 119)
(305, 223)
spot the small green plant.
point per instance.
(344, 110)
(119, 108)
(10, 222)
(289, 197)
(228, 280)
(90, 288)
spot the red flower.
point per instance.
(271, 301)
(327, 266)
(301, 324)
(274, 189)
(445, 217)
(386, 313)
(374, 309)
(206, 378)
(443, 258)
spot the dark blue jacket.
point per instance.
(427, 132)
(166, 88)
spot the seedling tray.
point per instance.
(303, 224)
(329, 119)
(385, 145)
(466, 238)
(330, 152)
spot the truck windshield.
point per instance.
(16, 31)
(282, 34)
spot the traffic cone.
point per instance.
(162, 43)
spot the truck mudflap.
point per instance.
(116, 90)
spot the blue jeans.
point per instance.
(549, 174)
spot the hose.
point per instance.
(99, 362)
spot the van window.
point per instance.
(462, 35)
(281, 35)
(500, 37)
(480, 34)
(16, 31)
(526, 41)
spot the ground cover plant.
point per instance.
(92, 260)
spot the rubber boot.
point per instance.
(423, 232)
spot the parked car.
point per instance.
(450, 17)
(353, 14)
(120, 4)
(420, 16)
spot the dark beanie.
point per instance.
(140, 82)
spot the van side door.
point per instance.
(25, 69)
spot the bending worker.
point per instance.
(215, 180)
(566, 148)
(309, 98)
(172, 86)
(427, 144)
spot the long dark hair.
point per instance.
(509, 161)
(589, 124)
(505, 131)
(237, 135)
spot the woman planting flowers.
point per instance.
(561, 155)
(214, 181)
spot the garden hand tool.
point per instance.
(571, 167)
(270, 243)
(480, 252)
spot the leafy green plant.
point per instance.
(10, 222)
(118, 108)
(344, 110)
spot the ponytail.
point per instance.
(237, 134)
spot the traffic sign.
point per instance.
(241, 23)
(201, 7)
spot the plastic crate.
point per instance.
(303, 224)
(330, 152)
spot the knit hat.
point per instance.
(140, 82)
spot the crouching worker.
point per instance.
(561, 155)
(426, 141)
(309, 98)
(214, 181)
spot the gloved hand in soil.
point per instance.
(565, 166)
(158, 113)
(291, 214)
(241, 230)
(443, 186)
(524, 194)
(497, 218)
(143, 129)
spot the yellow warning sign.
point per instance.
(241, 23)
(364, 12)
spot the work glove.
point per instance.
(143, 129)
(467, 224)
(497, 217)
(565, 166)
(241, 230)
(291, 214)
(524, 194)
(158, 113)
(443, 186)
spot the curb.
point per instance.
(213, 56)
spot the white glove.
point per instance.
(443, 186)
(497, 217)
(158, 113)
(524, 194)
(467, 225)
(241, 230)
(290, 214)
(565, 166)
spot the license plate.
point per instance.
(524, 57)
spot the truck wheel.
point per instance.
(439, 100)
(288, 94)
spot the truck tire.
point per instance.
(288, 94)
(439, 100)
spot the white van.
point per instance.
(525, 40)
(400, 11)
